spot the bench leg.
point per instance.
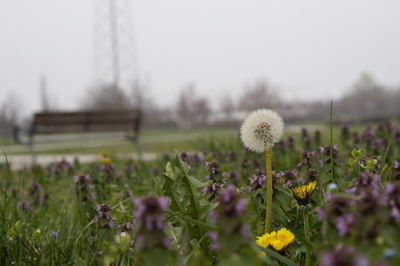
(138, 148)
(32, 150)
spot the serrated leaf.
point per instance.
(169, 172)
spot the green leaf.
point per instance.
(197, 184)
(169, 172)
(279, 257)
(156, 257)
(300, 238)
(199, 223)
(193, 196)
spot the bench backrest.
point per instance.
(86, 121)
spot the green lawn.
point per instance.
(151, 141)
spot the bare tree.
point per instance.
(202, 111)
(183, 106)
(259, 95)
(9, 115)
(367, 100)
(107, 97)
(192, 110)
(227, 106)
(140, 99)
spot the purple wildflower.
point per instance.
(24, 206)
(257, 181)
(392, 198)
(366, 180)
(396, 170)
(345, 133)
(213, 168)
(291, 143)
(232, 177)
(317, 138)
(82, 186)
(321, 214)
(356, 138)
(150, 222)
(103, 218)
(231, 204)
(344, 224)
(34, 188)
(342, 256)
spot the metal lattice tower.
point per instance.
(115, 61)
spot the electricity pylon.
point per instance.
(115, 62)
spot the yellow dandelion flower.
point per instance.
(278, 240)
(265, 240)
(303, 193)
(106, 160)
(104, 153)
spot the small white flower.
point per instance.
(332, 186)
(261, 130)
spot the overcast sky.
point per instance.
(308, 49)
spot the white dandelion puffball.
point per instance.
(261, 130)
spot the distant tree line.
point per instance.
(366, 100)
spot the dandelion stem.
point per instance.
(268, 169)
(307, 237)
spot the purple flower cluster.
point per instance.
(57, 169)
(126, 227)
(288, 177)
(231, 177)
(396, 171)
(396, 137)
(366, 180)
(213, 189)
(342, 256)
(291, 143)
(103, 218)
(109, 171)
(35, 193)
(325, 152)
(23, 206)
(149, 222)
(344, 224)
(213, 169)
(345, 133)
(129, 169)
(392, 199)
(191, 159)
(229, 219)
(257, 181)
(82, 186)
(365, 207)
(231, 203)
(307, 158)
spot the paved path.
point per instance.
(72, 142)
(20, 161)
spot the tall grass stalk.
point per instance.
(331, 141)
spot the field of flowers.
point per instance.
(335, 203)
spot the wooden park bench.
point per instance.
(46, 123)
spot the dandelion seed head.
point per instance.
(261, 130)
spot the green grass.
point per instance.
(63, 230)
(169, 140)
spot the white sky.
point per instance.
(307, 48)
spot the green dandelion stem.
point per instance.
(268, 169)
(307, 237)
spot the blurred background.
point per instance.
(194, 68)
